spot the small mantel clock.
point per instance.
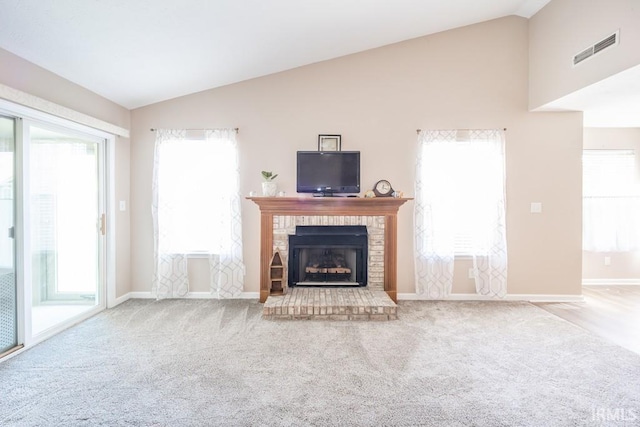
(383, 188)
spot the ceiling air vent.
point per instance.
(603, 44)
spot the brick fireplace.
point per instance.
(279, 217)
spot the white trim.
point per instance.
(46, 119)
(509, 297)
(48, 333)
(110, 211)
(26, 286)
(249, 295)
(103, 205)
(610, 282)
(40, 104)
(141, 295)
(191, 295)
(401, 296)
(14, 354)
(119, 300)
(21, 212)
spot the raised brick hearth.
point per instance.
(330, 304)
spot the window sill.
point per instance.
(197, 255)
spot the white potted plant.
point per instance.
(269, 188)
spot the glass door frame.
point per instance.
(27, 255)
(11, 234)
(24, 116)
(51, 291)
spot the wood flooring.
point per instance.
(613, 312)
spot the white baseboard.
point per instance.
(209, 295)
(508, 297)
(401, 296)
(610, 282)
(121, 299)
(249, 295)
(190, 295)
(142, 295)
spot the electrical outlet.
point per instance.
(471, 275)
(123, 205)
(607, 260)
(536, 207)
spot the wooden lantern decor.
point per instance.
(276, 275)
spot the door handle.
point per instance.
(12, 232)
(103, 224)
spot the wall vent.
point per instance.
(603, 44)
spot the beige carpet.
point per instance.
(208, 363)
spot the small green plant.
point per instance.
(269, 176)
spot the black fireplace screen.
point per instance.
(328, 256)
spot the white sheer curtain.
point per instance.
(490, 249)
(460, 210)
(226, 264)
(434, 235)
(196, 210)
(170, 279)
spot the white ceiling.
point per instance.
(138, 52)
(612, 102)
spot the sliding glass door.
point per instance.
(67, 224)
(8, 300)
(53, 225)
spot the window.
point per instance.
(611, 206)
(196, 210)
(464, 180)
(460, 210)
(196, 177)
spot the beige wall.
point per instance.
(623, 265)
(564, 28)
(123, 218)
(472, 77)
(28, 77)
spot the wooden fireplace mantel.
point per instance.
(386, 207)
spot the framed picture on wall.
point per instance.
(329, 142)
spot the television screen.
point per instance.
(326, 173)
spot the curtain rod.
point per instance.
(420, 130)
(236, 129)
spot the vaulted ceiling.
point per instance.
(138, 52)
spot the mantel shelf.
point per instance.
(329, 205)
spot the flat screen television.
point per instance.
(326, 173)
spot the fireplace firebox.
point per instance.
(328, 256)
